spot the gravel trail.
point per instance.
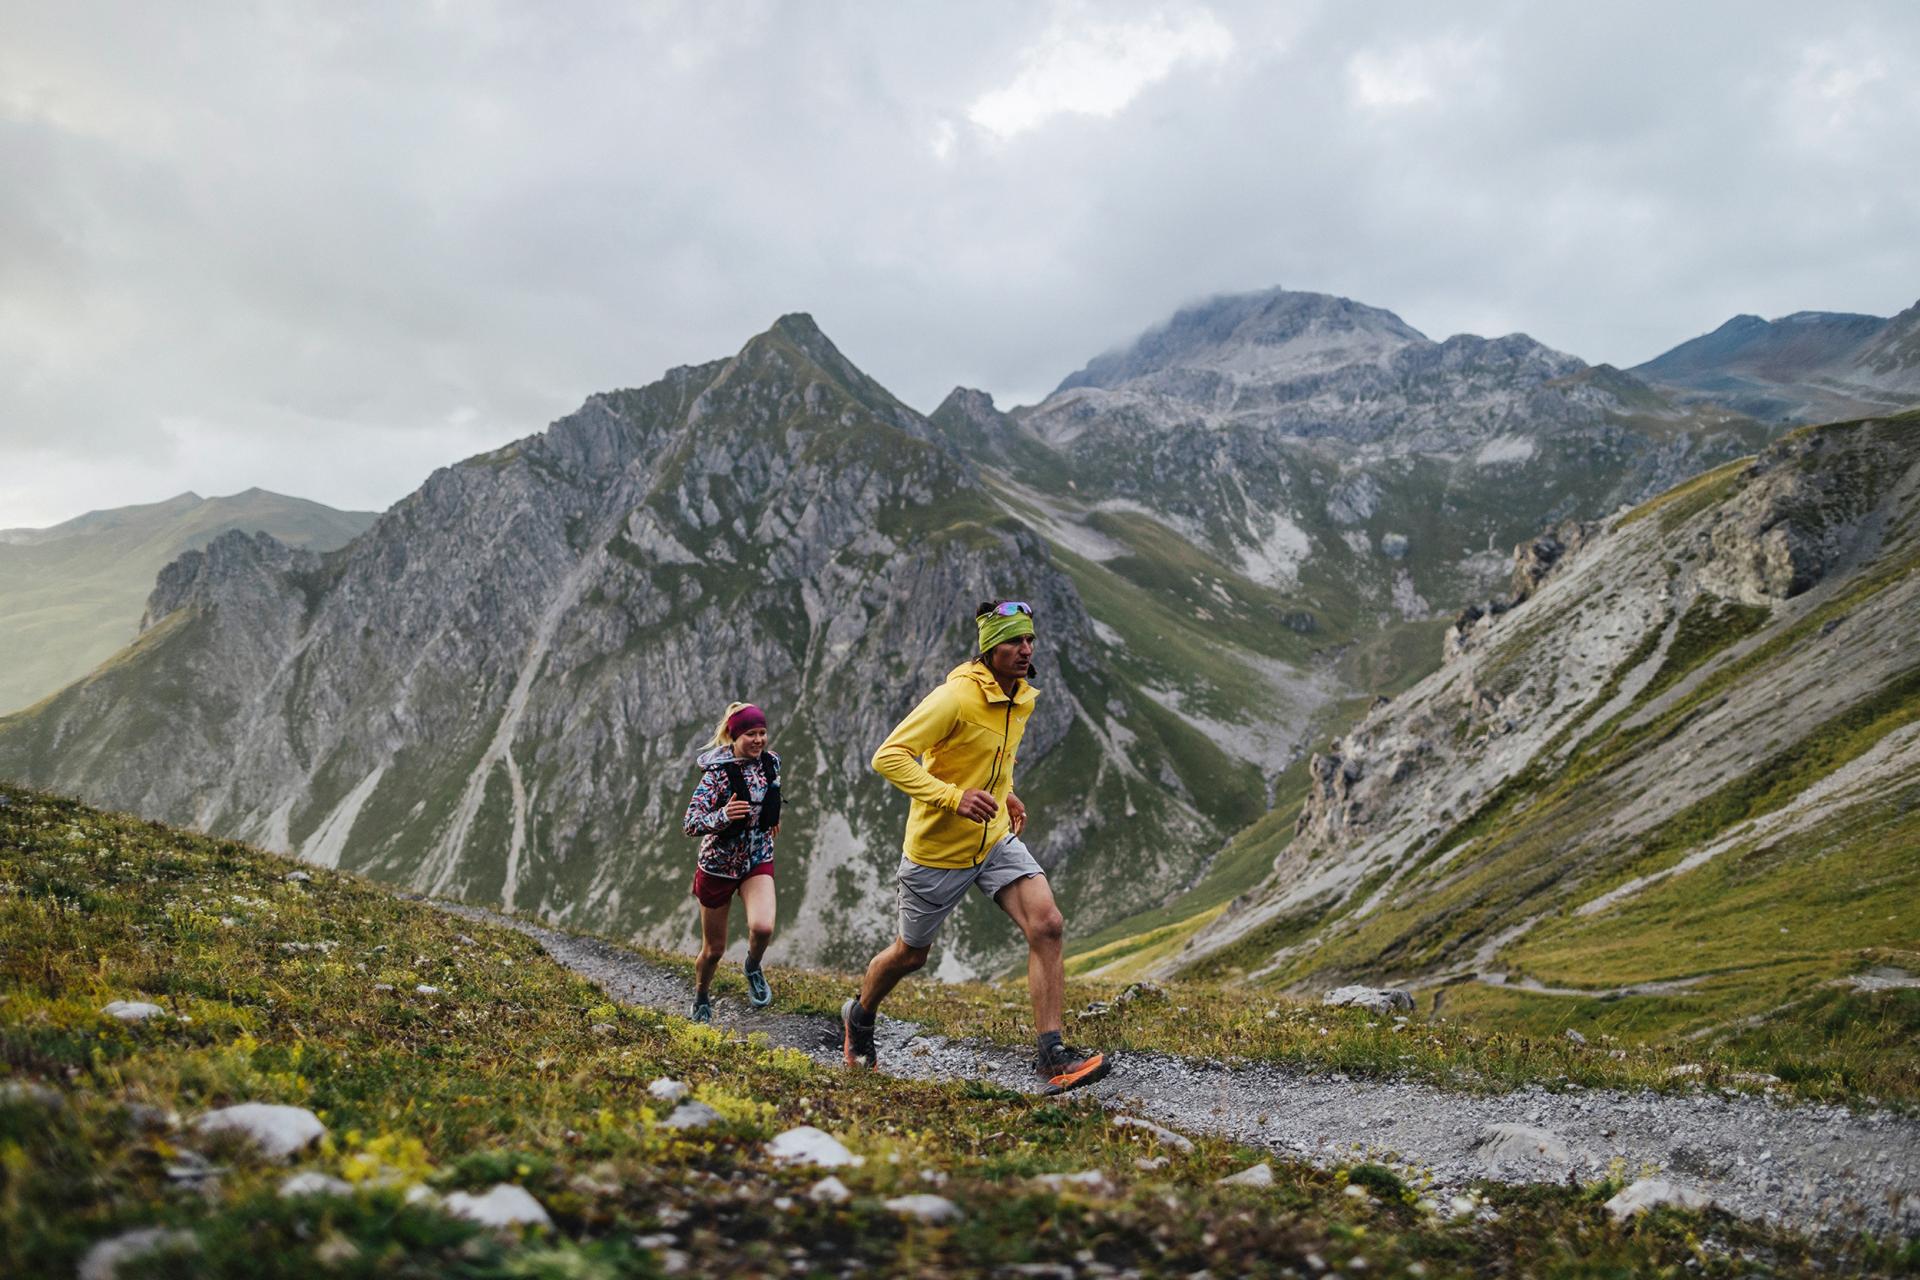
(1812, 1168)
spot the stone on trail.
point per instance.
(1372, 999)
(314, 1183)
(279, 1132)
(506, 1205)
(1093, 1182)
(829, 1190)
(667, 1090)
(811, 1146)
(927, 1208)
(297, 877)
(1166, 1136)
(692, 1115)
(132, 1010)
(1652, 1193)
(1502, 1145)
(1259, 1175)
(102, 1262)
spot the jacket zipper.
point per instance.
(993, 777)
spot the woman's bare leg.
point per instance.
(757, 893)
(713, 944)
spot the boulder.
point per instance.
(1653, 1193)
(314, 1183)
(927, 1208)
(829, 1190)
(1092, 1182)
(1259, 1175)
(1502, 1146)
(132, 1010)
(103, 1261)
(1166, 1137)
(692, 1115)
(278, 1132)
(1372, 999)
(506, 1205)
(807, 1145)
(667, 1090)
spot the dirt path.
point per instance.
(1808, 1167)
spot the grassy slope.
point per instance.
(515, 1071)
(67, 603)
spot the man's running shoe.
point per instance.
(757, 989)
(1065, 1068)
(702, 1009)
(856, 1039)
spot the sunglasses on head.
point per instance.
(1007, 608)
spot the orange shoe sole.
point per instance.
(1094, 1068)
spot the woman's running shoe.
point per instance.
(857, 1040)
(1065, 1068)
(757, 989)
(702, 1009)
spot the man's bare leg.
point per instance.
(886, 969)
(1030, 903)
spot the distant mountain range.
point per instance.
(1812, 366)
(72, 595)
(1239, 530)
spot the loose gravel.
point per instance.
(1808, 1167)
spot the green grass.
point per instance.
(516, 1071)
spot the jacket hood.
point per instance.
(975, 670)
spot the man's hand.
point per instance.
(737, 809)
(1016, 814)
(977, 806)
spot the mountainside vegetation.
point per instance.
(442, 1060)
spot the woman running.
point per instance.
(736, 813)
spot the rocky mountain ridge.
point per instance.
(1621, 784)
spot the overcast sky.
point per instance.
(326, 248)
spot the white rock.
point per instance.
(420, 1193)
(314, 1183)
(278, 1131)
(24, 1091)
(1500, 1145)
(808, 1145)
(1651, 1193)
(692, 1115)
(667, 1090)
(927, 1208)
(1167, 1136)
(426, 990)
(298, 877)
(1372, 999)
(1149, 1163)
(1259, 1175)
(829, 1190)
(132, 1010)
(506, 1205)
(1091, 1181)
(102, 1262)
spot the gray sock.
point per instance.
(1049, 1041)
(861, 1014)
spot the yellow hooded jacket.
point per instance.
(966, 736)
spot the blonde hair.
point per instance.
(720, 738)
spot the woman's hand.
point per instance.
(1016, 814)
(773, 831)
(738, 809)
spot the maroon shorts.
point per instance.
(718, 891)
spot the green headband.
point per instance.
(995, 629)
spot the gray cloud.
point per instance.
(324, 248)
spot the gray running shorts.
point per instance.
(928, 895)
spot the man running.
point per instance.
(954, 755)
